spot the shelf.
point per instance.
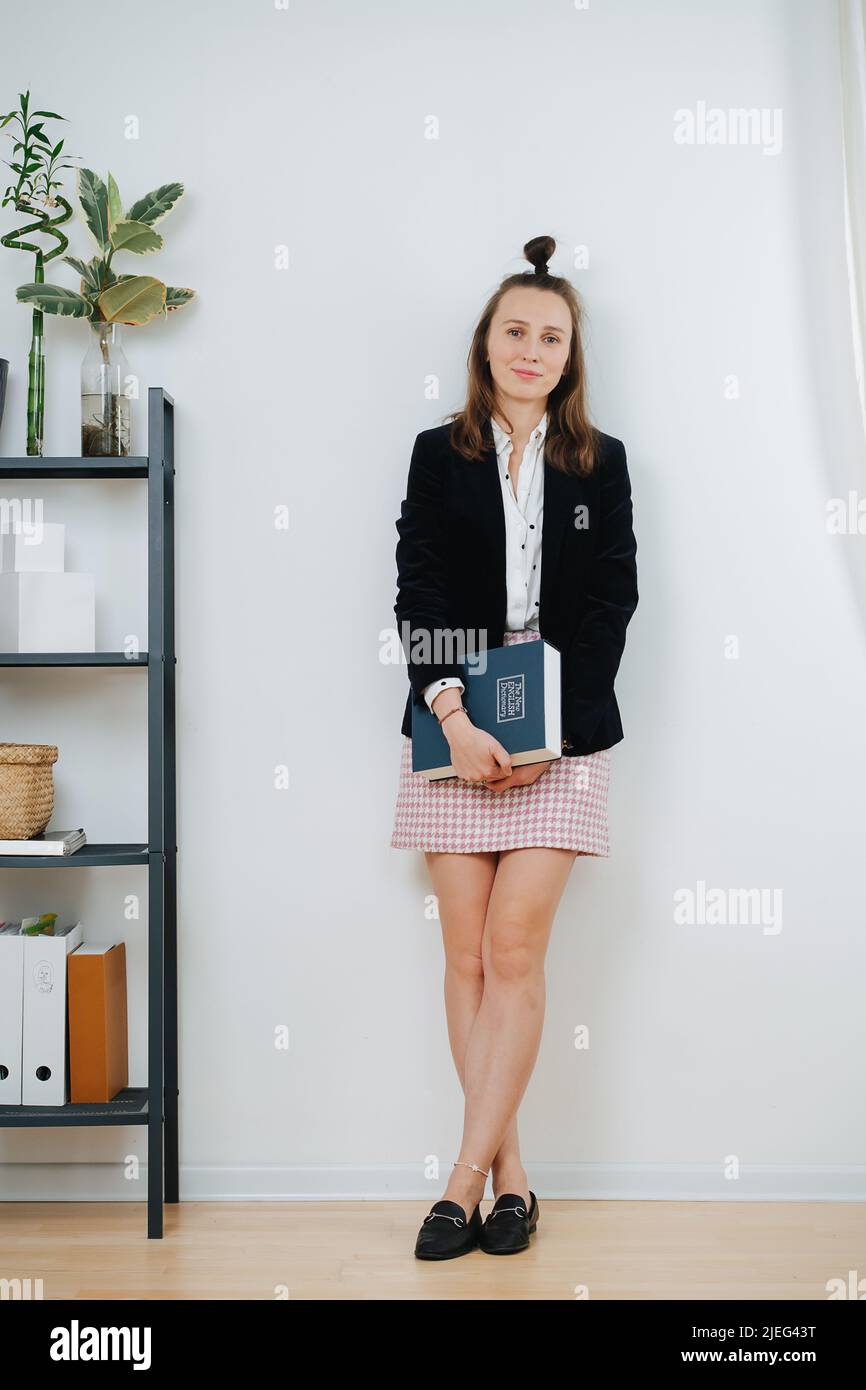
(129, 1107)
(85, 858)
(135, 466)
(159, 855)
(72, 659)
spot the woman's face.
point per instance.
(528, 343)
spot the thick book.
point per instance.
(513, 693)
(54, 842)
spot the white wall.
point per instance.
(307, 387)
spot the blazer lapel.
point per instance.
(490, 508)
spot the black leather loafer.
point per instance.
(509, 1225)
(446, 1233)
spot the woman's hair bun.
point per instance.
(539, 251)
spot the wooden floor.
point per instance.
(364, 1250)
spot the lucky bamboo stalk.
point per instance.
(36, 170)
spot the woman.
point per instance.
(517, 525)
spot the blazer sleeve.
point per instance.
(422, 596)
(594, 652)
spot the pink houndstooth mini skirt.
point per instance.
(565, 808)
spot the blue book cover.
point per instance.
(513, 693)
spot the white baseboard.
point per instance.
(104, 1182)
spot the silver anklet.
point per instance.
(473, 1166)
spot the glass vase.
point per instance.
(36, 389)
(105, 405)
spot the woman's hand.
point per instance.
(521, 777)
(476, 756)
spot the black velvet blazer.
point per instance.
(451, 574)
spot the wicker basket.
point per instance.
(26, 789)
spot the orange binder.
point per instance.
(98, 1046)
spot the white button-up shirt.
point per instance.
(524, 516)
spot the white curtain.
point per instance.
(852, 34)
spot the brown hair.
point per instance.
(570, 441)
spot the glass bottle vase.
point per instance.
(105, 405)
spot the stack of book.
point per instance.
(53, 842)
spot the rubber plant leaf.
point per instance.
(153, 206)
(175, 298)
(88, 272)
(135, 236)
(54, 299)
(93, 197)
(115, 207)
(134, 301)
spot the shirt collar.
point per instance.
(501, 439)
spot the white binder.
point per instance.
(44, 1069)
(11, 985)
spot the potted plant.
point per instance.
(36, 193)
(108, 300)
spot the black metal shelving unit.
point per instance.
(156, 1104)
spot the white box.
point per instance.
(47, 613)
(11, 997)
(44, 1066)
(19, 554)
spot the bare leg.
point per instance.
(505, 1037)
(463, 884)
